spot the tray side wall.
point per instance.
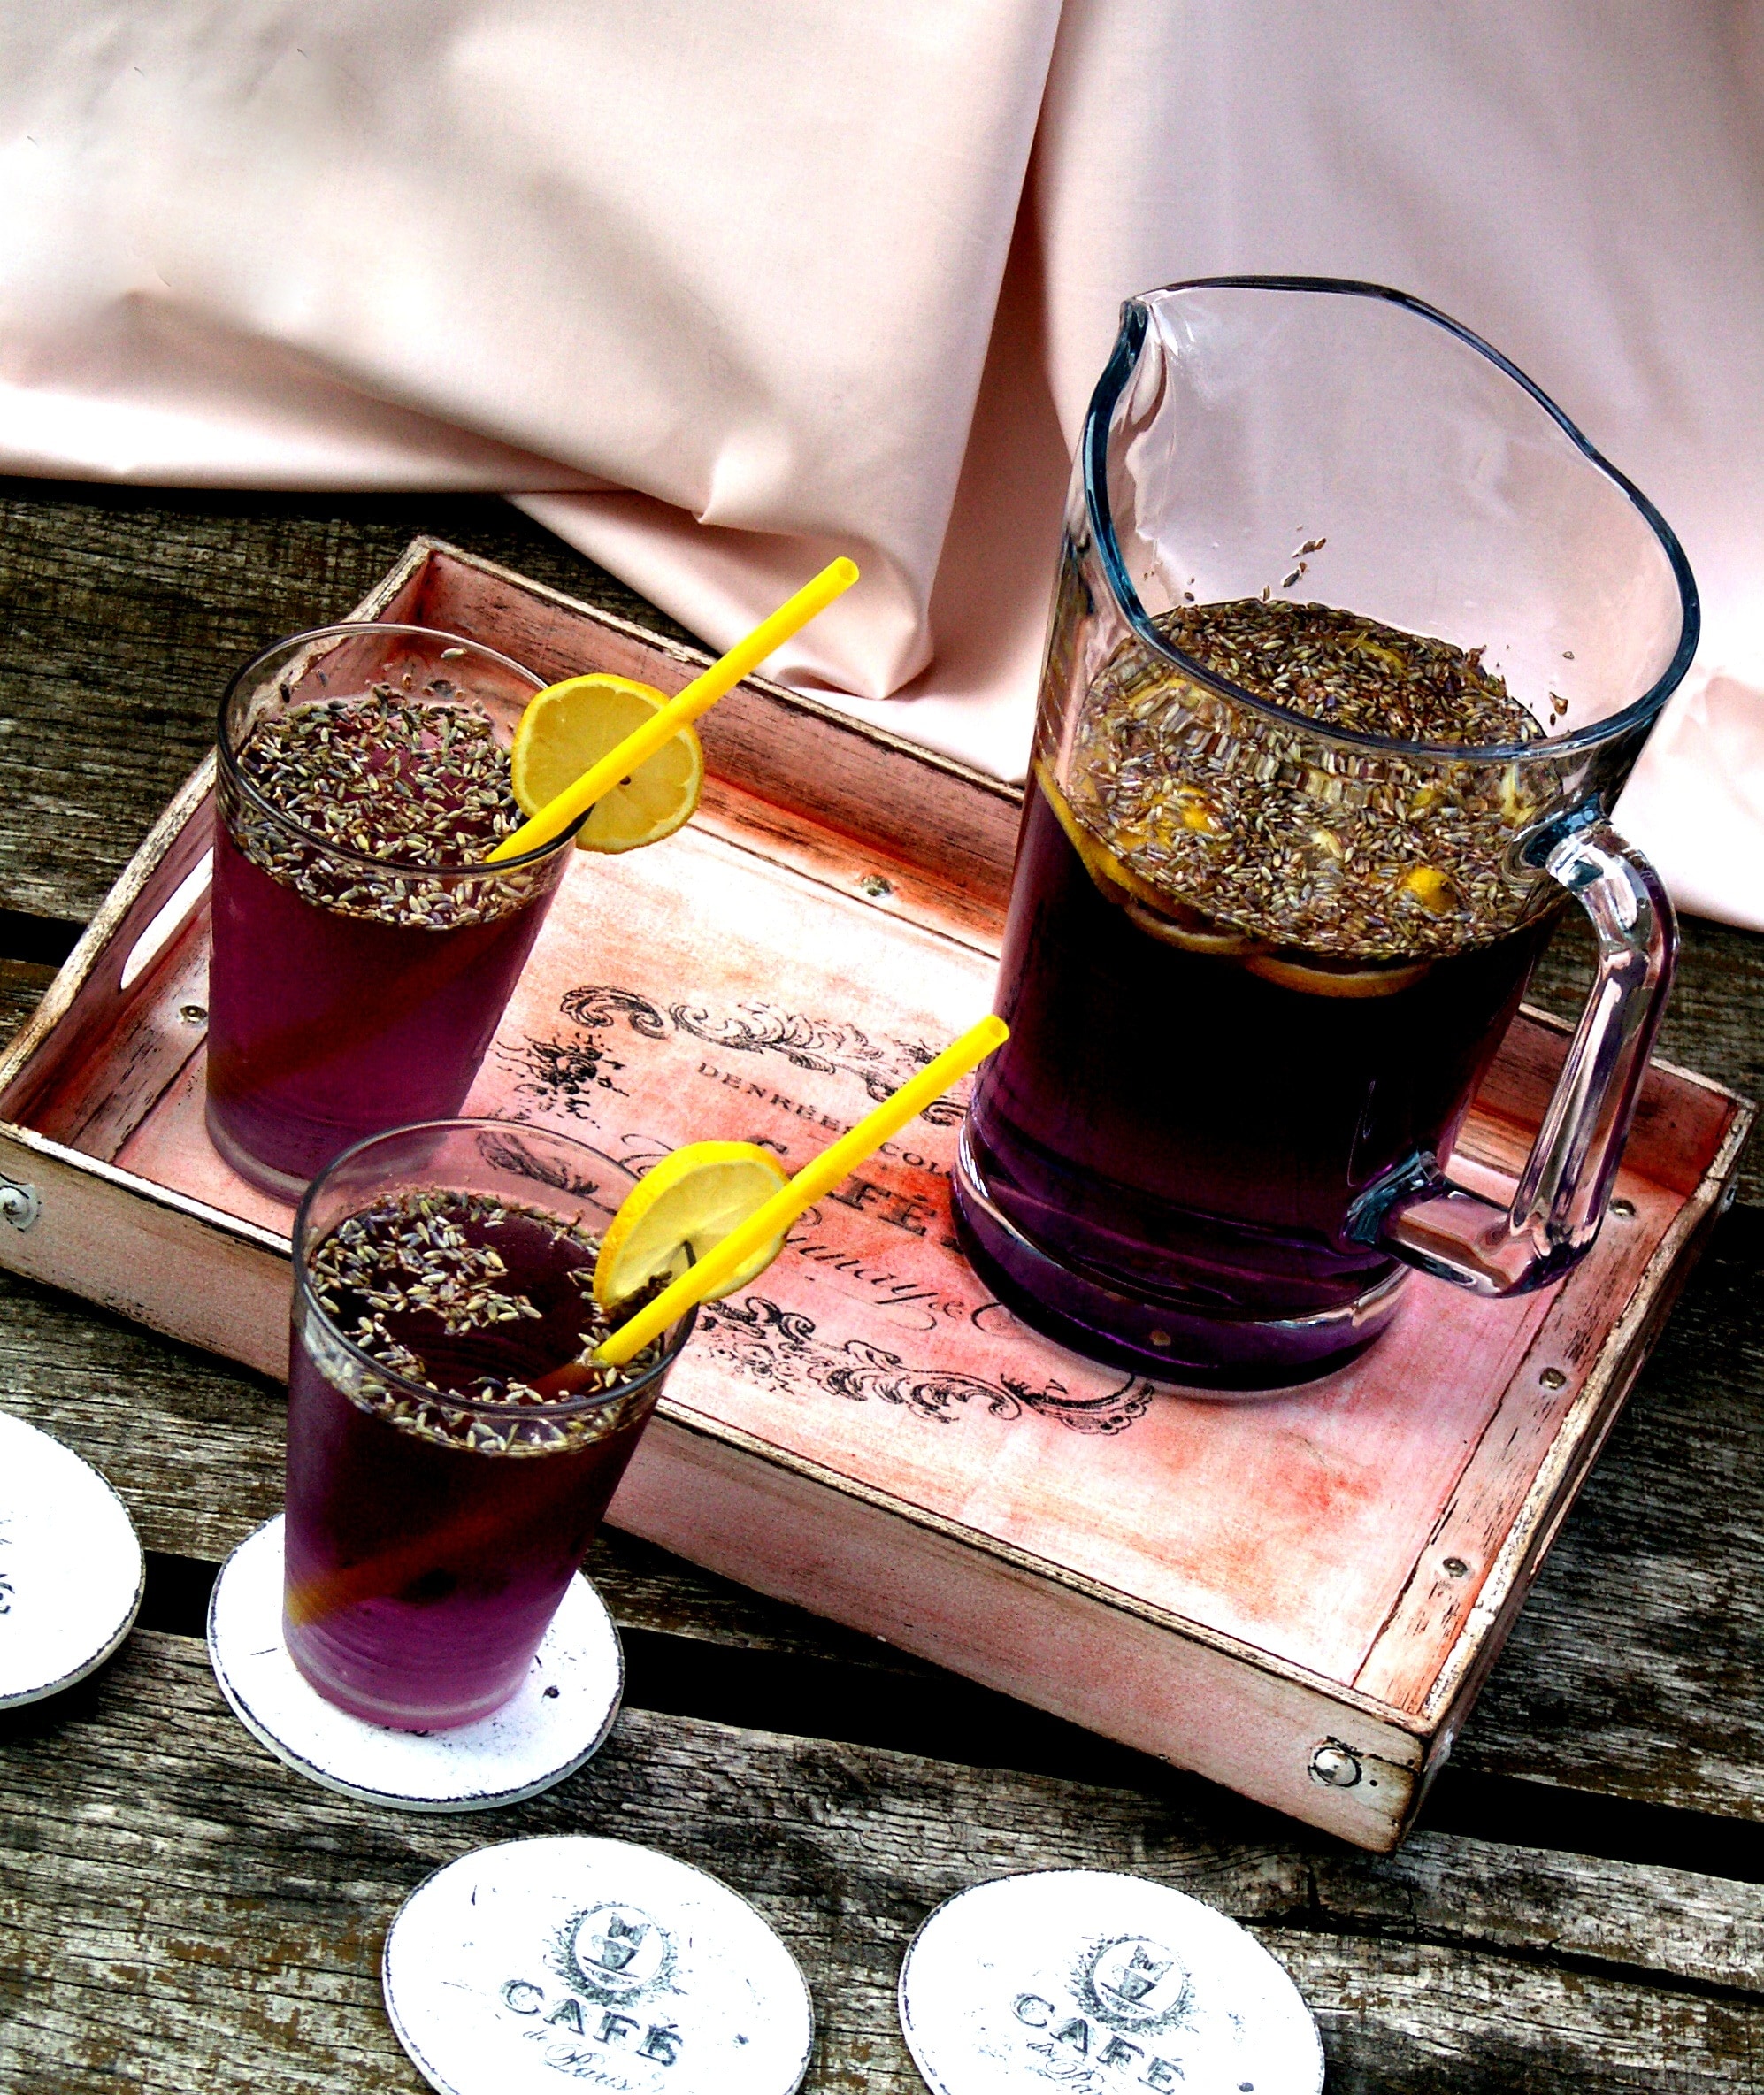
(149, 1255)
(1484, 1627)
(1063, 1650)
(66, 1051)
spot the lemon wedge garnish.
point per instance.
(1338, 977)
(1153, 911)
(570, 727)
(689, 1202)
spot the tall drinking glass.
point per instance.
(1257, 961)
(363, 951)
(439, 1495)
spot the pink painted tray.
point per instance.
(1298, 1597)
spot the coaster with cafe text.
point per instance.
(1081, 1978)
(569, 1961)
(71, 1566)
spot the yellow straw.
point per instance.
(698, 697)
(811, 1184)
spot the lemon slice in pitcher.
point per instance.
(1338, 977)
(570, 726)
(1156, 913)
(689, 1202)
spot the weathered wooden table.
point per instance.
(1583, 1909)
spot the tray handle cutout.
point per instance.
(168, 920)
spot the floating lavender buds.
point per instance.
(415, 784)
(1278, 835)
(414, 1271)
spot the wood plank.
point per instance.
(145, 1834)
(22, 983)
(1411, 2019)
(1487, 1896)
(1634, 1669)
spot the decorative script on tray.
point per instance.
(881, 1242)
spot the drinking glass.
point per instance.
(431, 1537)
(348, 994)
(1241, 1049)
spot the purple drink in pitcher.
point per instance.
(363, 951)
(1355, 642)
(1187, 1129)
(439, 1495)
(1241, 992)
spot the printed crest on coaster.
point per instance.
(1082, 1979)
(527, 1966)
(559, 1719)
(71, 1566)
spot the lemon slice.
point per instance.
(1158, 914)
(689, 1202)
(1194, 934)
(1338, 977)
(570, 727)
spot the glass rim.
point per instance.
(227, 759)
(547, 1411)
(1093, 454)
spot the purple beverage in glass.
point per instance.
(362, 953)
(439, 1498)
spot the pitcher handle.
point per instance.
(1429, 1221)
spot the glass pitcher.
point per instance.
(1258, 956)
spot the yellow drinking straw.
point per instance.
(814, 1180)
(698, 697)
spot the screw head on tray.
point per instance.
(71, 1566)
(571, 1961)
(1068, 1978)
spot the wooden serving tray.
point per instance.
(1298, 1596)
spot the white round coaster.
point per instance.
(559, 1717)
(526, 1966)
(70, 1568)
(1081, 1978)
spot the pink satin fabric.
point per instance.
(715, 291)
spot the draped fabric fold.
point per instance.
(714, 292)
